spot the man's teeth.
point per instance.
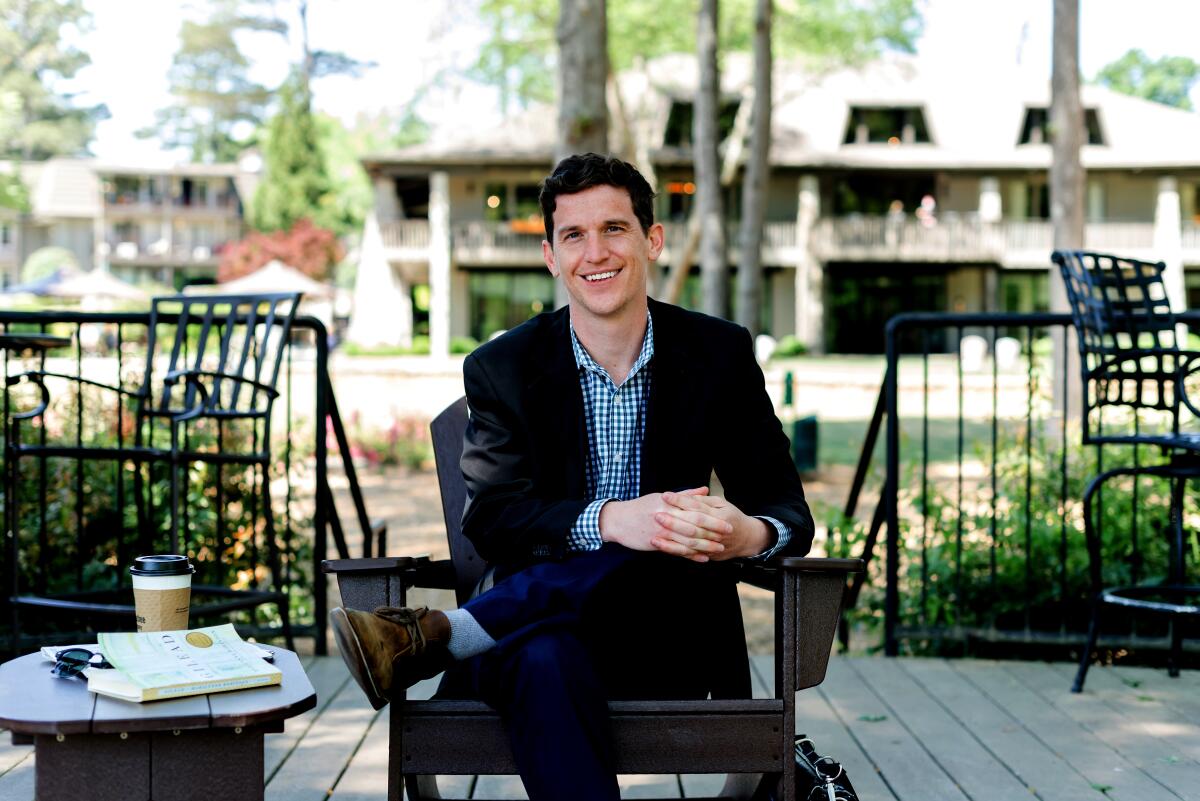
(600, 276)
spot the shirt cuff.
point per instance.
(585, 534)
(783, 536)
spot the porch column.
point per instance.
(1168, 240)
(439, 265)
(989, 199)
(387, 208)
(810, 310)
(382, 303)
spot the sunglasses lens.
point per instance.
(71, 662)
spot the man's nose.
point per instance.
(597, 249)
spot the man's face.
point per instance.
(598, 249)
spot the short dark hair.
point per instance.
(577, 173)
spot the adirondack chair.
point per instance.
(744, 738)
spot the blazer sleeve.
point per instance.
(753, 458)
(505, 516)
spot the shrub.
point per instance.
(789, 346)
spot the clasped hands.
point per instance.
(689, 523)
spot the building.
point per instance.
(164, 225)
(897, 187)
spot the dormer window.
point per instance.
(1035, 128)
(891, 125)
(680, 120)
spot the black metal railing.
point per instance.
(111, 346)
(981, 486)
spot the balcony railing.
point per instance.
(950, 238)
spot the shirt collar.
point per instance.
(584, 360)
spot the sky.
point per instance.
(412, 41)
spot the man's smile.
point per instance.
(596, 277)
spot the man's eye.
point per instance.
(614, 229)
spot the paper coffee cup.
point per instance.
(162, 591)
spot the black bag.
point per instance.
(818, 778)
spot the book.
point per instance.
(149, 666)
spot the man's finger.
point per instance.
(692, 541)
(669, 546)
(693, 502)
(696, 524)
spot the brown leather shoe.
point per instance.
(391, 647)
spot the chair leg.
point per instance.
(1175, 657)
(1085, 659)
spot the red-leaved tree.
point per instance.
(311, 250)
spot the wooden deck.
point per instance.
(906, 729)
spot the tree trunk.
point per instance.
(714, 268)
(1066, 182)
(582, 76)
(754, 183)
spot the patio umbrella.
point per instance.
(275, 276)
(92, 285)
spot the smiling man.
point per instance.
(594, 433)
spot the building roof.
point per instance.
(974, 117)
(62, 188)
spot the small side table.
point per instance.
(101, 749)
(18, 343)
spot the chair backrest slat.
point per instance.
(447, 430)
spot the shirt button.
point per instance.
(617, 399)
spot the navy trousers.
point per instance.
(598, 626)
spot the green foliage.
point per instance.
(978, 580)
(790, 345)
(463, 345)
(518, 56)
(36, 51)
(232, 554)
(1168, 80)
(405, 441)
(217, 105)
(295, 183)
(13, 193)
(46, 261)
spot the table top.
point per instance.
(20, 342)
(32, 701)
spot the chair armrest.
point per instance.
(810, 605)
(38, 377)
(383, 581)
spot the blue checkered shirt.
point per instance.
(616, 426)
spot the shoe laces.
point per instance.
(410, 619)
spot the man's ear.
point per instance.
(548, 257)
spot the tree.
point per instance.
(1168, 80)
(218, 107)
(757, 175)
(295, 183)
(582, 78)
(1067, 177)
(311, 250)
(713, 250)
(37, 120)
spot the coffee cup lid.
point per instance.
(161, 565)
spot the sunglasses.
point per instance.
(73, 661)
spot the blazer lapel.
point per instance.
(555, 403)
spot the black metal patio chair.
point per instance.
(205, 397)
(1131, 362)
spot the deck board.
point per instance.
(1103, 767)
(950, 730)
(965, 760)
(1157, 758)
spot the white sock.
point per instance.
(467, 637)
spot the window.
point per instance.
(893, 126)
(5, 235)
(682, 116)
(503, 299)
(1035, 129)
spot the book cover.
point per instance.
(149, 666)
